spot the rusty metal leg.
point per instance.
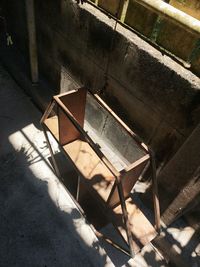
(51, 152)
(109, 241)
(155, 192)
(78, 188)
(125, 217)
(48, 111)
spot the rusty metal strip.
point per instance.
(87, 137)
(51, 152)
(155, 192)
(125, 215)
(109, 241)
(48, 111)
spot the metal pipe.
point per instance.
(173, 14)
(156, 202)
(32, 40)
(57, 172)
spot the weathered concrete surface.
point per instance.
(156, 94)
(184, 166)
(111, 6)
(157, 97)
(140, 18)
(183, 240)
(171, 37)
(40, 225)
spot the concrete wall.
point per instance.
(153, 94)
(158, 97)
(159, 30)
(15, 14)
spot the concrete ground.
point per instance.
(40, 225)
